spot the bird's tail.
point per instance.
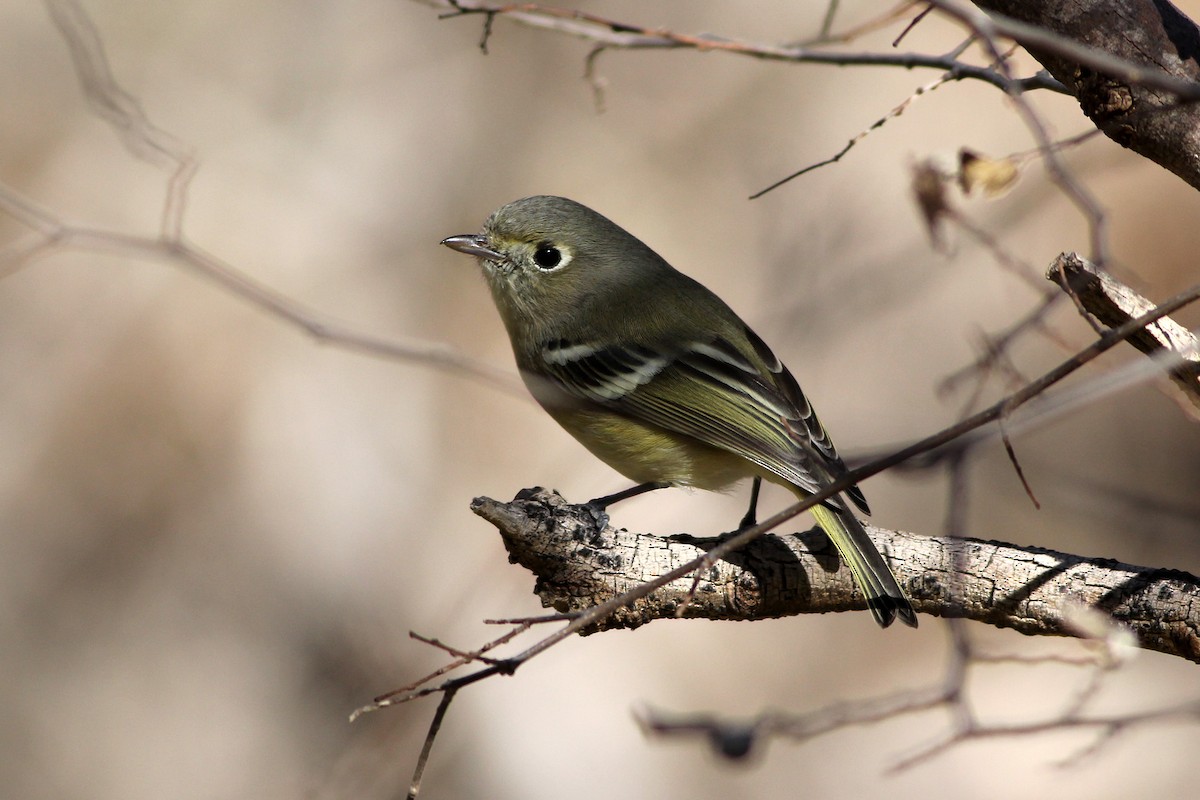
(873, 575)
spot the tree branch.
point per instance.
(580, 561)
(609, 33)
(1113, 304)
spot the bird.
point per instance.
(658, 377)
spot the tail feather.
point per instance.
(872, 573)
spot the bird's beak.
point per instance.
(472, 244)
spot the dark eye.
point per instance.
(547, 256)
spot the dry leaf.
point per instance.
(929, 189)
(992, 176)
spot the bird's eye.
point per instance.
(547, 256)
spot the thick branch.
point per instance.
(580, 561)
(1151, 34)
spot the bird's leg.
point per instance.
(748, 521)
(601, 504)
(751, 518)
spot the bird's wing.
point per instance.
(711, 391)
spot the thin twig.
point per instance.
(414, 787)
(463, 656)
(462, 660)
(538, 620)
(622, 35)
(1012, 458)
(877, 124)
(913, 23)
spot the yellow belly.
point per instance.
(645, 453)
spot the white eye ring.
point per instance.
(551, 257)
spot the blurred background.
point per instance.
(216, 533)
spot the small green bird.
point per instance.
(656, 376)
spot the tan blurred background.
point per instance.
(216, 533)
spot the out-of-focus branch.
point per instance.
(736, 738)
(1113, 303)
(50, 234)
(580, 561)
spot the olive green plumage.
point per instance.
(655, 375)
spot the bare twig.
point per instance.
(435, 725)
(877, 124)
(1012, 458)
(462, 659)
(462, 655)
(541, 619)
(914, 22)
(826, 34)
(615, 34)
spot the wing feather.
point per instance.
(744, 403)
